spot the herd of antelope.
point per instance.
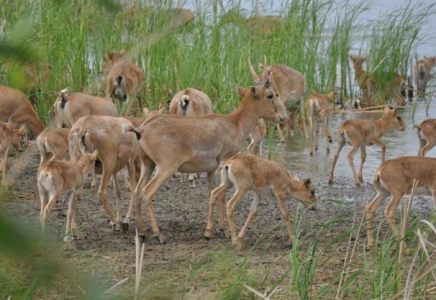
(192, 139)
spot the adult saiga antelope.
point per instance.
(199, 144)
(124, 80)
(318, 111)
(190, 102)
(116, 150)
(290, 86)
(15, 108)
(361, 133)
(423, 71)
(248, 172)
(395, 178)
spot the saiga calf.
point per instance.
(9, 137)
(248, 172)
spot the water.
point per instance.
(294, 153)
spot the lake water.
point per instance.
(294, 153)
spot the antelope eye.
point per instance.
(277, 95)
(313, 193)
(399, 118)
(270, 96)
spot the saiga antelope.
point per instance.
(116, 150)
(15, 108)
(198, 144)
(124, 80)
(395, 178)
(248, 172)
(318, 111)
(56, 177)
(190, 102)
(69, 107)
(9, 138)
(426, 135)
(423, 72)
(361, 133)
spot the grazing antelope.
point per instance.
(257, 137)
(190, 102)
(116, 150)
(361, 133)
(248, 172)
(393, 84)
(69, 107)
(290, 86)
(423, 72)
(56, 177)
(15, 108)
(198, 144)
(263, 25)
(318, 111)
(426, 135)
(395, 177)
(124, 79)
(53, 144)
(9, 137)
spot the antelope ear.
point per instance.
(387, 109)
(110, 55)
(122, 52)
(145, 111)
(162, 110)
(253, 92)
(307, 182)
(331, 95)
(241, 91)
(352, 57)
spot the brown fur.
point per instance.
(190, 102)
(15, 108)
(257, 136)
(423, 72)
(197, 144)
(9, 138)
(317, 107)
(395, 177)
(248, 172)
(124, 79)
(116, 150)
(360, 133)
(426, 135)
(56, 177)
(77, 105)
(290, 85)
(53, 144)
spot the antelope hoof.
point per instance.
(115, 227)
(330, 140)
(141, 238)
(238, 246)
(222, 232)
(330, 180)
(359, 184)
(282, 141)
(311, 153)
(192, 184)
(208, 233)
(316, 148)
(124, 226)
(160, 238)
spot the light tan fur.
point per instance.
(56, 177)
(69, 107)
(248, 172)
(426, 135)
(190, 102)
(174, 143)
(53, 144)
(290, 86)
(367, 84)
(361, 133)
(395, 178)
(317, 107)
(15, 108)
(124, 80)
(257, 137)
(116, 150)
(423, 71)
(9, 138)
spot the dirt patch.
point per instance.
(181, 213)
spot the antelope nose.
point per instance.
(282, 119)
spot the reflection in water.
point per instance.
(294, 153)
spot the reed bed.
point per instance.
(315, 38)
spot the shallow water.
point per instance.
(294, 153)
